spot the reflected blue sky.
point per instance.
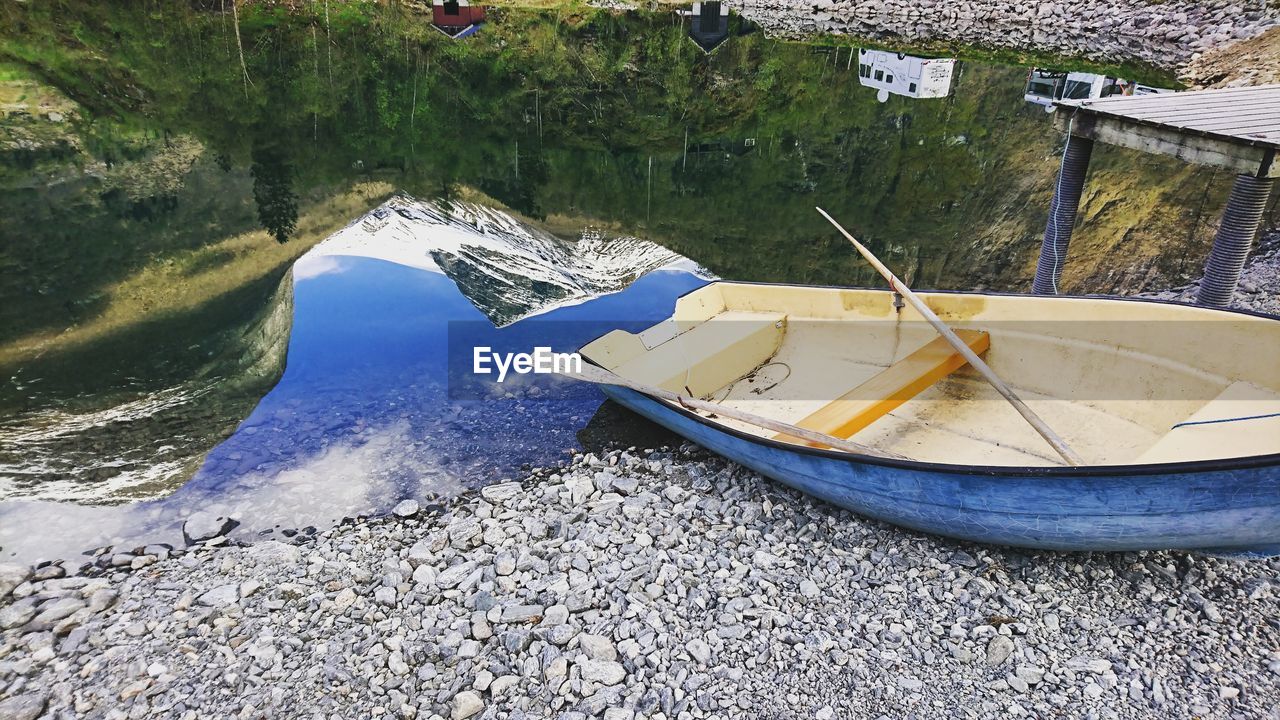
(369, 351)
(364, 415)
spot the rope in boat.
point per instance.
(1225, 420)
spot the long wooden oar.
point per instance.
(600, 376)
(985, 370)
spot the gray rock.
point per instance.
(626, 485)
(555, 615)
(405, 508)
(202, 525)
(48, 572)
(602, 671)
(516, 641)
(11, 576)
(998, 650)
(809, 589)
(101, 600)
(421, 553)
(23, 707)
(463, 532)
(499, 494)
(504, 564)
(1088, 664)
(122, 560)
(451, 576)
(700, 651)
(556, 634)
(273, 552)
(597, 647)
(466, 704)
(521, 613)
(17, 614)
(221, 596)
(56, 610)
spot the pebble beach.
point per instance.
(652, 582)
(641, 584)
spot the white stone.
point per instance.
(221, 596)
(603, 672)
(999, 650)
(597, 647)
(500, 493)
(466, 704)
(203, 525)
(11, 576)
(405, 508)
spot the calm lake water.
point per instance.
(543, 180)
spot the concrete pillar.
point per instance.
(1239, 226)
(1062, 214)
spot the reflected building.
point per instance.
(457, 18)
(1045, 86)
(907, 75)
(709, 24)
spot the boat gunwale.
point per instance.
(1246, 462)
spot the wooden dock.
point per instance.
(1236, 129)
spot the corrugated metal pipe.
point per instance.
(1239, 226)
(1062, 214)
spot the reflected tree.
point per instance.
(273, 192)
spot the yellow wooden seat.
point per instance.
(890, 388)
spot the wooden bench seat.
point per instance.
(890, 388)
(709, 355)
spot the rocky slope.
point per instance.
(642, 584)
(1255, 61)
(1163, 34)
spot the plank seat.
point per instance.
(890, 388)
(1243, 420)
(709, 355)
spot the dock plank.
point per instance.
(1232, 128)
(1229, 113)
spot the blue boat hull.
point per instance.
(1228, 508)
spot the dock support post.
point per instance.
(1236, 231)
(1062, 214)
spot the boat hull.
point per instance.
(1228, 510)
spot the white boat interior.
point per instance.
(1122, 382)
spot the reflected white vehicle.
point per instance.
(1045, 86)
(905, 75)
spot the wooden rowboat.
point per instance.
(1175, 410)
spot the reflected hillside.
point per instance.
(162, 166)
(623, 117)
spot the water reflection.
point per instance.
(457, 18)
(1045, 86)
(363, 416)
(141, 220)
(905, 75)
(708, 24)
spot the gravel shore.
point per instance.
(659, 584)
